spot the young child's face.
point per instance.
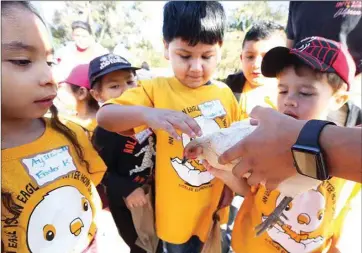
(192, 66)
(114, 84)
(305, 97)
(66, 99)
(252, 55)
(28, 86)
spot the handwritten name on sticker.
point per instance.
(212, 109)
(47, 167)
(142, 136)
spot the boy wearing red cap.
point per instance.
(314, 77)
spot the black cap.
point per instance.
(105, 64)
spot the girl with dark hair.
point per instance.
(49, 169)
(75, 99)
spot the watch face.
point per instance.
(306, 163)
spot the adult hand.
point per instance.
(266, 152)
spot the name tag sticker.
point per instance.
(46, 167)
(142, 136)
(212, 109)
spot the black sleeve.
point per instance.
(119, 186)
(109, 148)
(290, 32)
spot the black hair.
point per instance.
(82, 25)
(91, 102)
(54, 120)
(262, 30)
(194, 21)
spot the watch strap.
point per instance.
(309, 135)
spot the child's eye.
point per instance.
(22, 63)
(185, 56)
(51, 63)
(250, 57)
(115, 87)
(206, 57)
(306, 94)
(282, 92)
(131, 83)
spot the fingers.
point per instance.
(192, 152)
(258, 112)
(254, 179)
(171, 130)
(193, 125)
(184, 128)
(254, 122)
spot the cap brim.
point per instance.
(274, 61)
(109, 70)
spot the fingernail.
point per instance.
(199, 133)
(178, 138)
(193, 135)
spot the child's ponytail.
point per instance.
(68, 133)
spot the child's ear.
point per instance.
(166, 50)
(82, 93)
(95, 94)
(340, 98)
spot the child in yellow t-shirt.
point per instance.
(314, 77)
(177, 109)
(49, 170)
(249, 85)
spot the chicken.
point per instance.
(209, 147)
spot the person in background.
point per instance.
(75, 99)
(251, 88)
(83, 49)
(130, 159)
(338, 21)
(145, 72)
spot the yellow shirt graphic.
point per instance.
(55, 201)
(186, 194)
(314, 219)
(250, 97)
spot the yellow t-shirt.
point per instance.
(265, 95)
(314, 219)
(89, 124)
(55, 199)
(186, 195)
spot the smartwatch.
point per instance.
(307, 154)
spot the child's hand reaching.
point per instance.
(170, 121)
(136, 199)
(238, 185)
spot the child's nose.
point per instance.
(196, 65)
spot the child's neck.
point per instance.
(84, 112)
(16, 132)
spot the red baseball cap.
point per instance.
(79, 76)
(320, 54)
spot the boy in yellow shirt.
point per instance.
(250, 86)
(313, 78)
(178, 109)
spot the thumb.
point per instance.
(258, 113)
(216, 172)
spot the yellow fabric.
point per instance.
(55, 199)
(186, 195)
(89, 124)
(250, 97)
(314, 219)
